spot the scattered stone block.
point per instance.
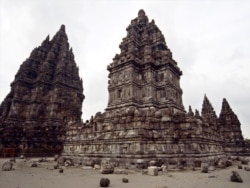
(153, 170)
(247, 168)
(125, 180)
(68, 162)
(97, 167)
(120, 171)
(240, 167)
(34, 164)
(235, 177)
(107, 169)
(221, 164)
(104, 182)
(56, 166)
(212, 176)
(7, 166)
(152, 163)
(87, 168)
(61, 160)
(204, 168)
(228, 163)
(60, 170)
(42, 160)
(56, 157)
(244, 161)
(211, 168)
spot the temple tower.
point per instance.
(46, 93)
(230, 127)
(145, 118)
(144, 74)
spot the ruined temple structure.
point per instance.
(45, 95)
(145, 117)
(144, 120)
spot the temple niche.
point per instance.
(145, 117)
(46, 93)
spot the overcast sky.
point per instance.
(210, 40)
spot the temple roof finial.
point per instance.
(141, 12)
(62, 28)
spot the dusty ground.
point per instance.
(44, 176)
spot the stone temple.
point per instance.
(45, 95)
(145, 118)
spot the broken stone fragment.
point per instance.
(56, 166)
(247, 168)
(204, 168)
(153, 170)
(60, 170)
(97, 167)
(7, 166)
(244, 161)
(34, 164)
(104, 182)
(69, 162)
(235, 177)
(56, 157)
(107, 169)
(87, 168)
(61, 160)
(125, 180)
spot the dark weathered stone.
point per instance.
(204, 168)
(7, 166)
(235, 177)
(60, 170)
(247, 168)
(125, 180)
(107, 169)
(56, 166)
(104, 182)
(61, 160)
(34, 164)
(244, 161)
(69, 162)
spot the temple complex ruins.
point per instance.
(145, 118)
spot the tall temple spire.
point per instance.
(46, 93)
(61, 35)
(229, 123)
(207, 111)
(146, 60)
